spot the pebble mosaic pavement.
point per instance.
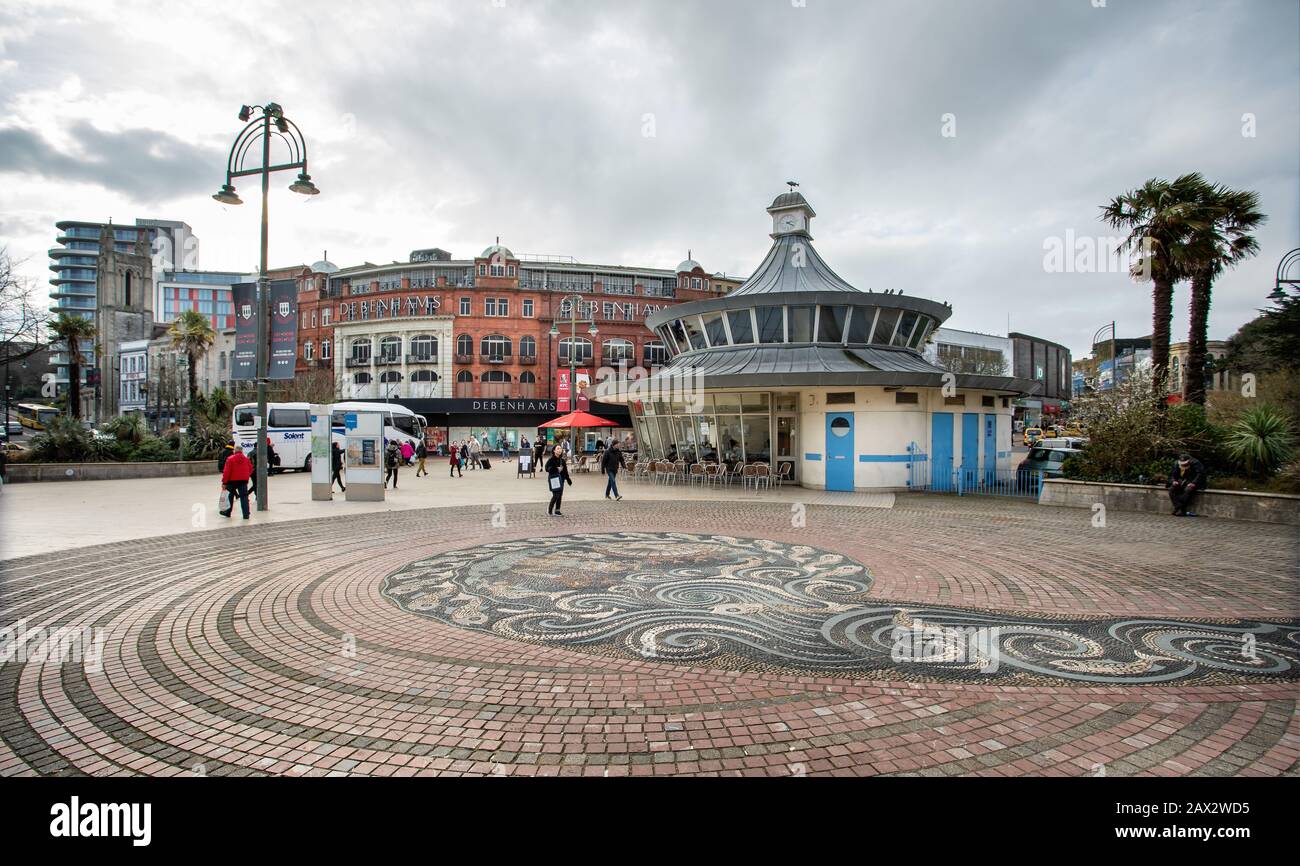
(274, 649)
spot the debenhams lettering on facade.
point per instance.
(428, 305)
(384, 308)
(514, 405)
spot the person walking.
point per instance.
(557, 475)
(455, 462)
(392, 460)
(473, 452)
(1185, 481)
(336, 464)
(421, 452)
(538, 448)
(234, 478)
(464, 455)
(408, 453)
(611, 462)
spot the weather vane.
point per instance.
(792, 184)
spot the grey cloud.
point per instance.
(526, 121)
(147, 165)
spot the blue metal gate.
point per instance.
(927, 476)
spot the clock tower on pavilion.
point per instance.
(791, 214)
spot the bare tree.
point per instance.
(23, 312)
(972, 360)
(317, 385)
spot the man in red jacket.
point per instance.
(234, 477)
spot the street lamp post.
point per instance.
(1114, 354)
(1288, 274)
(575, 300)
(256, 130)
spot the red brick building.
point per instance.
(467, 337)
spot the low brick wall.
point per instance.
(23, 472)
(1231, 504)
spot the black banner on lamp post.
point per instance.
(243, 363)
(283, 297)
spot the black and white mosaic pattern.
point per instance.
(754, 605)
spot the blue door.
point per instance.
(941, 451)
(839, 451)
(970, 449)
(990, 448)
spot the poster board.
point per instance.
(364, 455)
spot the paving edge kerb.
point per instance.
(28, 472)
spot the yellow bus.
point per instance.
(35, 415)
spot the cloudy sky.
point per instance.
(943, 143)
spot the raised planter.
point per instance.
(23, 472)
(1232, 504)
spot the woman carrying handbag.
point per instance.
(557, 475)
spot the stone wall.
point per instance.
(1231, 504)
(23, 472)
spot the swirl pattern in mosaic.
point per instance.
(753, 604)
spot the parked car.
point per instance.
(1063, 441)
(15, 428)
(1032, 435)
(1045, 459)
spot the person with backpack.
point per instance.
(557, 475)
(392, 460)
(235, 473)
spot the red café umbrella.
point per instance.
(579, 419)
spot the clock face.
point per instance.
(788, 222)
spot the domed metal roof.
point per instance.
(788, 200)
(687, 265)
(496, 250)
(324, 266)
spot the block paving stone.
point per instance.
(269, 650)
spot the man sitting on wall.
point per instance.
(1185, 481)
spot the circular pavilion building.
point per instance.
(821, 380)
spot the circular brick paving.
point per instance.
(273, 650)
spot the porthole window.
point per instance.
(840, 427)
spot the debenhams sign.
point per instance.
(513, 405)
(386, 308)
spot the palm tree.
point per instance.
(1159, 217)
(192, 333)
(1228, 216)
(71, 330)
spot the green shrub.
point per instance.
(1261, 440)
(65, 440)
(1127, 444)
